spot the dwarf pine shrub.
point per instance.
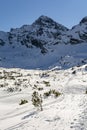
(23, 102)
(37, 100)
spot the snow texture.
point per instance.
(66, 112)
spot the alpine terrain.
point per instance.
(43, 76)
(44, 44)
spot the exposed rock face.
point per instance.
(44, 31)
(41, 44)
(84, 20)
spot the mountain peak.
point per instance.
(43, 17)
(42, 20)
(46, 22)
(84, 20)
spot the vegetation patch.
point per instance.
(46, 83)
(23, 101)
(54, 92)
(37, 100)
(86, 91)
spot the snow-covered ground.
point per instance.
(65, 112)
(61, 55)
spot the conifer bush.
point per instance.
(37, 100)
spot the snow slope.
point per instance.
(43, 45)
(65, 112)
(63, 56)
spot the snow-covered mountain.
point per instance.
(77, 34)
(62, 93)
(44, 44)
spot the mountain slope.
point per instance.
(78, 33)
(44, 44)
(65, 112)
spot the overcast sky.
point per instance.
(15, 13)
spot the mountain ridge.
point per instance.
(42, 44)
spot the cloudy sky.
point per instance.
(15, 13)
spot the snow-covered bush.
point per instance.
(50, 92)
(86, 91)
(23, 102)
(37, 100)
(46, 83)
